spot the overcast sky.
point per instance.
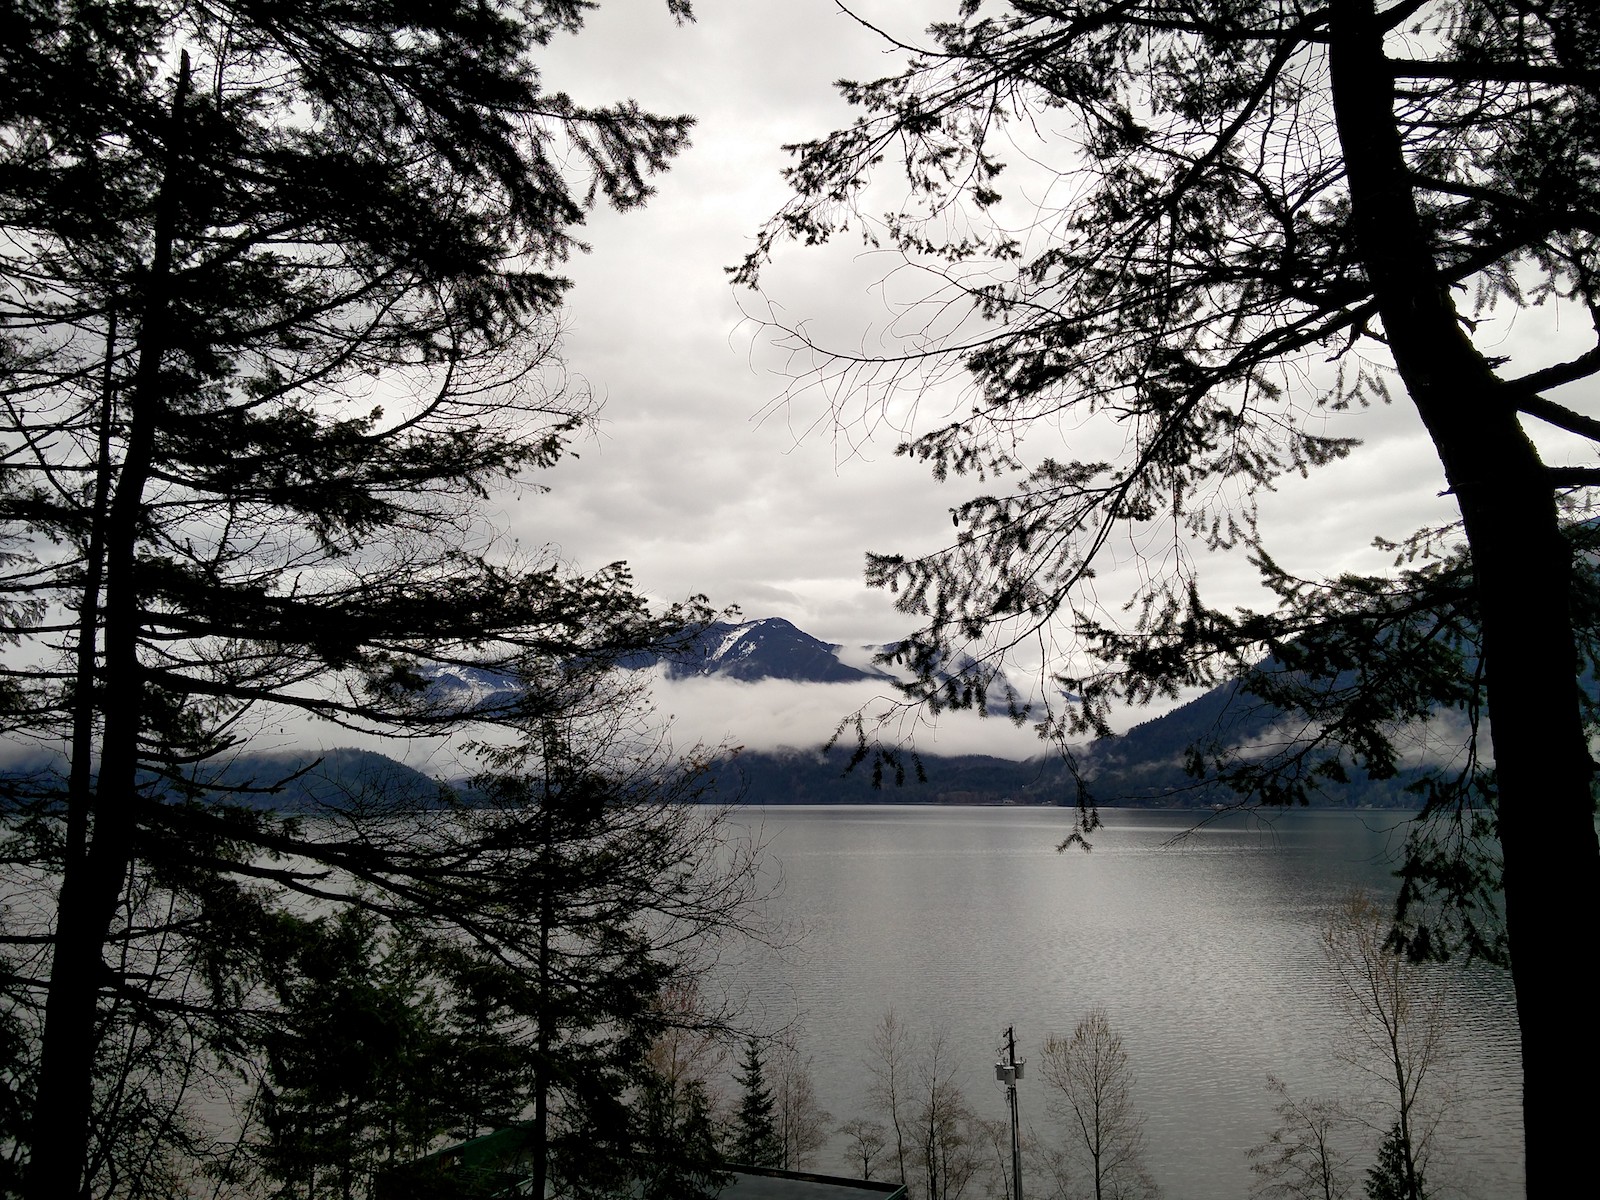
(695, 477)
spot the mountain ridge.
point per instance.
(1143, 767)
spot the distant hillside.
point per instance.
(349, 779)
(1144, 766)
(333, 780)
(799, 777)
(339, 779)
(336, 780)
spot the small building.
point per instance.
(496, 1165)
(760, 1183)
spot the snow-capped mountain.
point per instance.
(771, 648)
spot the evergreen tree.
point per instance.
(352, 1062)
(649, 1129)
(680, 1158)
(618, 881)
(600, 881)
(754, 1138)
(1388, 1178)
(277, 285)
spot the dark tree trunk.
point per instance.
(84, 706)
(1522, 567)
(540, 1138)
(92, 883)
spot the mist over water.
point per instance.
(1200, 943)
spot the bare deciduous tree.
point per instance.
(1091, 1084)
(687, 1050)
(889, 1061)
(1396, 1031)
(932, 1130)
(867, 1140)
(1301, 1158)
(994, 1137)
(949, 1149)
(802, 1123)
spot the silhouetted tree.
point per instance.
(354, 1063)
(1253, 214)
(681, 1160)
(277, 284)
(15, 1103)
(620, 884)
(754, 1141)
(601, 889)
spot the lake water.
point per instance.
(1203, 950)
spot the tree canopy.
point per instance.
(1228, 218)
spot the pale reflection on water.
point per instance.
(1202, 950)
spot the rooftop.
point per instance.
(756, 1183)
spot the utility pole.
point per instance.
(1008, 1070)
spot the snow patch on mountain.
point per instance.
(472, 687)
(732, 638)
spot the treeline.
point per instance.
(1129, 771)
(303, 782)
(813, 777)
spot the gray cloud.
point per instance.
(704, 483)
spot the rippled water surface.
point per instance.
(1201, 946)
